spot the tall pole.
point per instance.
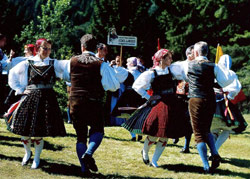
(121, 56)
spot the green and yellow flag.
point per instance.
(219, 53)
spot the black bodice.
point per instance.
(41, 74)
(163, 85)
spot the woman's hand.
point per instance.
(153, 100)
(155, 97)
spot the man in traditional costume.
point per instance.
(90, 77)
(201, 74)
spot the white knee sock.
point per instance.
(160, 146)
(26, 143)
(38, 143)
(148, 143)
(221, 139)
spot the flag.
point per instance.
(159, 46)
(219, 53)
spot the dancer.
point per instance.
(223, 125)
(38, 114)
(90, 76)
(182, 92)
(201, 74)
(160, 118)
(129, 99)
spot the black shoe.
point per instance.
(175, 141)
(139, 138)
(145, 161)
(216, 159)
(185, 151)
(133, 139)
(89, 161)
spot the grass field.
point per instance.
(118, 157)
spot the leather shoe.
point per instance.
(185, 151)
(176, 140)
(89, 161)
(216, 159)
(144, 160)
(139, 138)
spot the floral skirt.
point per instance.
(37, 115)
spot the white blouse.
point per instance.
(18, 75)
(179, 71)
(136, 73)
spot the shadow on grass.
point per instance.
(196, 169)
(11, 158)
(74, 170)
(71, 135)
(114, 138)
(6, 138)
(7, 142)
(237, 162)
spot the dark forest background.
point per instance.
(177, 23)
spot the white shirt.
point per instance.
(18, 75)
(179, 71)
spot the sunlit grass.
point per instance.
(118, 157)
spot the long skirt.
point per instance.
(162, 120)
(37, 115)
(224, 120)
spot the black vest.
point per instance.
(86, 77)
(201, 79)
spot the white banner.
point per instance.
(122, 40)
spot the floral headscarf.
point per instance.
(158, 56)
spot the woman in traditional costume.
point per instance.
(227, 118)
(38, 114)
(160, 118)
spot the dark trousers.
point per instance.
(84, 113)
(201, 113)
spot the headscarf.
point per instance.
(225, 61)
(158, 56)
(31, 47)
(132, 60)
(38, 43)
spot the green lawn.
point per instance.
(118, 157)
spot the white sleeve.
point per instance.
(120, 73)
(224, 76)
(143, 83)
(62, 69)
(109, 80)
(18, 77)
(179, 70)
(233, 89)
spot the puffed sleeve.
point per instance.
(179, 70)
(18, 77)
(224, 76)
(143, 83)
(233, 89)
(62, 69)
(109, 80)
(120, 73)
